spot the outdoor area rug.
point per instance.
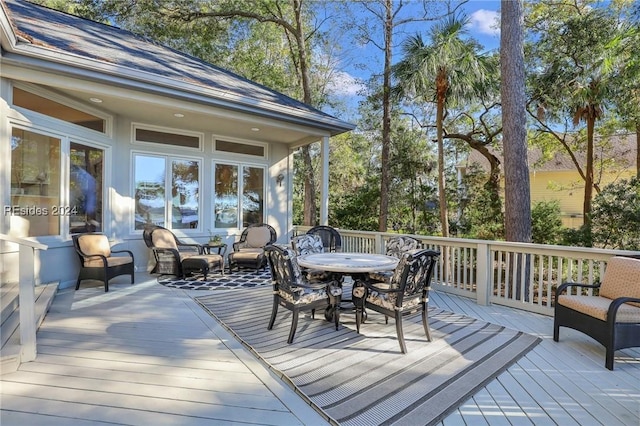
(364, 379)
(244, 278)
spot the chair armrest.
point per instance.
(123, 251)
(616, 304)
(198, 247)
(566, 285)
(372, 286)
(238, 245)
(173, 251)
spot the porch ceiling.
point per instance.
(161, 111)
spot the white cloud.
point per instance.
(344, 84)
(486, 22)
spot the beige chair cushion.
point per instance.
(258, 236)
(246, 255)
(163, 238)
(597, 307)
(96, 262)
(621, 278)
(94, 244)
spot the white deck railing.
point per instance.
(27, 304)
(519, 275)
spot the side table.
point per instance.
(221, 248)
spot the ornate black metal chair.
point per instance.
(405, 294)
(97, 260)
(175, 257)
(294, 292)
(308, 244)
(248, 252)
(395, 247)
(613, 316)
(331, 239)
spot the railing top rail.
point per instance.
(23, 241)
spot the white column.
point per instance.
(324, 185)
(27, 303)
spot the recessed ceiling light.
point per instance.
(177, 114)
(255, 129)
(96, 100)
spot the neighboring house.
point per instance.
(556, 178)
(101, 130)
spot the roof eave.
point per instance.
(63, 63)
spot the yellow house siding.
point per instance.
(568, 188)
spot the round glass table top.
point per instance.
(348, 262)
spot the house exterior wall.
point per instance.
(59, 262)
(567, 187)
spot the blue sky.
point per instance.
(360, 61)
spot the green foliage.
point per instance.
(616, 216)
(479, 218)
(546, 223)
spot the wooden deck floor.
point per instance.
(146, 354)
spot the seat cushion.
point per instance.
(200, 261)
(96, 262)
(388, 300)
(94, 244)
(598, 306)
(621, 278)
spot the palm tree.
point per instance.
(447, 71)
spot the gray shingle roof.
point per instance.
(77, 37)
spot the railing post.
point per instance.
(483, 275)
(26, 262)
(378, 242)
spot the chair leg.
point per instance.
(425, 322)
(274, 312)
(106, 285)
(336, 315)
(403, 347)
(294, 324)
(78, 283)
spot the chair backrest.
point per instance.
(414, 271)
(331, 239)
(307, 244)
(258, 235)
(621, 278)
(160, 237)
(285, 272)
(91, 244)
(398, 245)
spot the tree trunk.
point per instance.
(638, 149)
(386, 120)
(516, 169)
(310, 204)
(588, 178)
(442, 195)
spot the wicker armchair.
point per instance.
(294, 292)
(97, 261)
(406, 293)
(248, 252)
(331, 239)
(169, 253)
(613, 316)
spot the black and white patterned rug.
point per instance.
(241, 279)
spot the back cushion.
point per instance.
(258, 236)
(94, 244)
(163, 238)
(621, 278)
(307, 244)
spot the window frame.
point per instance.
(263, 145)
(169, 158)
(66, 139)
(161, 129)
(55, 97)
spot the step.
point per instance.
(10, 353)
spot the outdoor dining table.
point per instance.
(356, 265)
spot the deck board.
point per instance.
(147, 354)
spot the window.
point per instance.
(167, 192)
(45, 106)
(240, 148)
(36, 182)
(182, 139)
(85, 188)
(239, 195)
